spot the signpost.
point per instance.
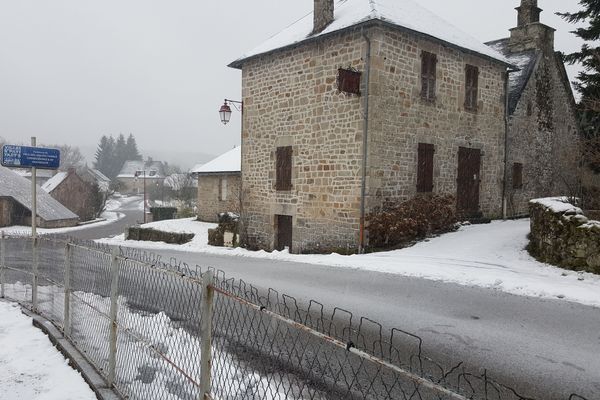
(31, 157)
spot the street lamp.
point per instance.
(137, 174)
(225, 110)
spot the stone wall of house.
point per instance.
(210, 199)
(401, 119)
(291, 99)
(76, 195)
(543, 136)
(562, 235)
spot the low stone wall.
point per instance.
(563, 236)
(154, 235)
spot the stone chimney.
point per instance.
(323, 15)
(530, 34)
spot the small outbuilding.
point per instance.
(74, 193)
(15, 204)
(219, 185)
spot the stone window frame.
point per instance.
(471, 87)
(428, 76)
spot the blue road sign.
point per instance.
(29, 157)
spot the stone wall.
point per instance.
(210, 201)
(291, 99)
(563, 236)
(401, 120)
(543, 136)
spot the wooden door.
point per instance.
(467, 187)
(283, 232)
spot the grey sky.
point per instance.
(73, 70)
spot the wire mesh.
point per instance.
(265, 345)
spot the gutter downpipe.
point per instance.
(506, 127)
(363, 189)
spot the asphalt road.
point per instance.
(133, 215)
(546, 349)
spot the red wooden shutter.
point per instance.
(425, 167)
(349, 81)
(283, 172)
(471, 86)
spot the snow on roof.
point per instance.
(53, 182)
(228, 162)
(523, 60)
(98, 175)
(402, 13)
(154, 169)
(19, 188)
(39, 173)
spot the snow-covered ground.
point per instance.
(490, 256)
(30, 367)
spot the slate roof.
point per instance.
(130, 167)
(230, 162)
(405, 14)
(19, 188)
(525, 61)
(53, 182)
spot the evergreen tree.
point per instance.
(132, 149)
(104, 155)
(588, 80)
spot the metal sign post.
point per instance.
(33, 196)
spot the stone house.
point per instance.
(15, 204)
(95, 177)
(74, 193)
(132, 179)
(543, 131)
(219, 183)
(365, 102)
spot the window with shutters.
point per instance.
(348, 81)
(428, 75)
(425, 168)
(471, 87)
(283, 172)
(517, 176)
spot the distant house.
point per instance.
(132, 175)
(94, 176)
(219, 183)
(15, 204)
(73, 192)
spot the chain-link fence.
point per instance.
(165, 330)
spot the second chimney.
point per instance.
(323, 15)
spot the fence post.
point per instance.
(206, 306)
(34, 289)
(67, 302)
(114, 294)
(2, 263)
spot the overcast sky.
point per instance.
(74, 70)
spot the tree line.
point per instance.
(112, 154)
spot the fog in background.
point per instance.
(74, 70)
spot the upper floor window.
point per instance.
(348, 81)
(283, 171)
(471, 87)
(428, 75)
